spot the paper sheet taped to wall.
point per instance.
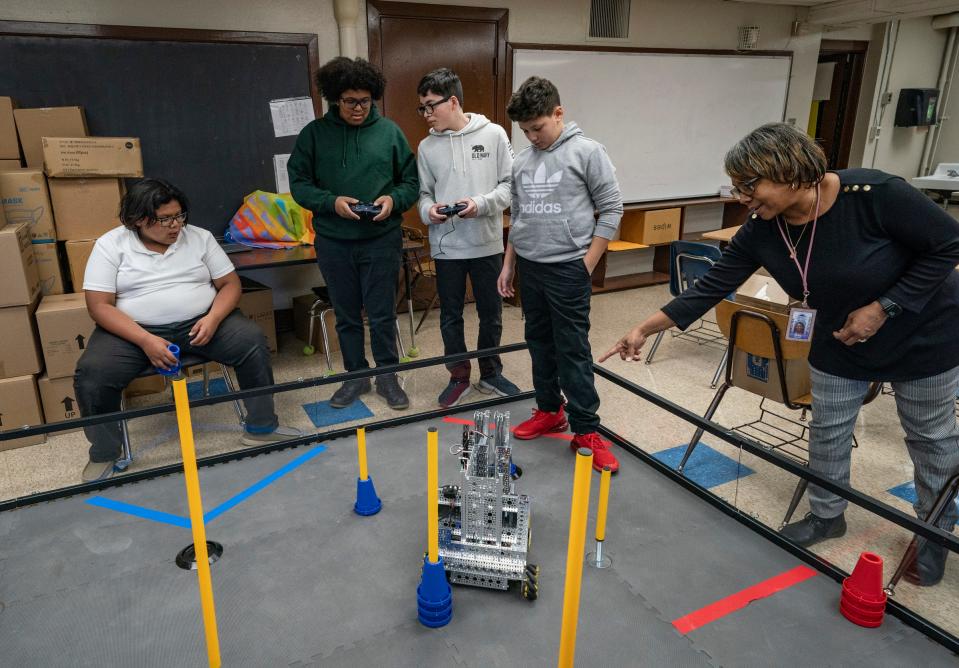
(290, 115)
(282, 176)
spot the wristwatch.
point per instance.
(891, 308)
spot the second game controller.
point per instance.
(451, 209)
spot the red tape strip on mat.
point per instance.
(732, 603)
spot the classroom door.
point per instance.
(836, 117)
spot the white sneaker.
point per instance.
(281, 433)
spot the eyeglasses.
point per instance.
(745, 188)
(353, 103)
(168, 221)
(428, 108)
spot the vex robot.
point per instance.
(484, 533)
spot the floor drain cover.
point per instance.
(186, 558)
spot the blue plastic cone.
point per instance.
(367, 502)
(434, 597)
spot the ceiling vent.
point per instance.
(609, 19)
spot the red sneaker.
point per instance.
(601, 454)
(541, 423)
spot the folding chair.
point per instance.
(688, 262)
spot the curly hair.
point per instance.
(536, 97)
(778, 152)
(342, 74)
(144, 198)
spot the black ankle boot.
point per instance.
(349, 392)
(812, 529)
(929, 565)
(389, 388)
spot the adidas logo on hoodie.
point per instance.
(539, 187)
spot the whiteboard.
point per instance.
(666, 119)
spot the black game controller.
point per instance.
(451, 209)
(365, 210)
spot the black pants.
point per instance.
(109, 364)
(363, 274)
(556, 299)
(451, 288)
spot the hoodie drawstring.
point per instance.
(346, 139)
(462, 152)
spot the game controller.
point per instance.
(366, 210)
(451, 209)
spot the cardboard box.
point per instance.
(764, 292)
(78, 252)
(9, 145)
(19, 407)
(760, 376)
(7, 165)
(92, 156)
(19, 279)
(25, 199)
(256, 303)
(143, 386)
(85, 208)
(65, 327)
(49, 267)
(20, 352)
(301, 324)
(34, 124)
(58, 399)
(659, 226)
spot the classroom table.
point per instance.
(723, 235)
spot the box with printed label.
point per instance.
(49, 267)
(256, 303)
(19, 279)
(659, 226)
(20, 352)
(9, 145)
(78, 252)
(65, 327)
(34, 124)
(20, 407)
(58, 399)
(85, 208)
(760, 376)
(763, 291)
(92, 156)
(26, 199)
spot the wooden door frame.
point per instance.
(378, 9)
(857, 48)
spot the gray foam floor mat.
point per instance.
(304, 581)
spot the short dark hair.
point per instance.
(342, 74)
(146, 196)
(779, 152)
(444, 82)
(536, 97)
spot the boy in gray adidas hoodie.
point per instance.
(566, 206)
(466, 160)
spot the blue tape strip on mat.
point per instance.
(907, 492)
(324, 415)
(229, 504)
(706, 467)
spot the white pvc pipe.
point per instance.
(347, 13)
(944, 84)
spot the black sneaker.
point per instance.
(388, 387)
(812, 529)
(349, 392)
(929, 565)
(497, 384)
(454, 392)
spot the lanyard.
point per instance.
(794, 251)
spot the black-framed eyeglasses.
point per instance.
(353, 103)
(169, 221)
(428, 108)
(745, 188)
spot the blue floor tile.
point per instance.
(907, 492)
(194, 389)
(323, 415)
(705, 467)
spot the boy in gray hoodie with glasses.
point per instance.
(466, 163)
(566, 206)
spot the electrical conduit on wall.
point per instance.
(347, 12)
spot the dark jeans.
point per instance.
(451, 288)
(556, 300)
(363, 274)
(109, 364)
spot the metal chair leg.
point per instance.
(326, 339)
(228, 379)
(694, 441)
(652, 349)
(399, 341)
(797, 497)
(427, 311)
(126, 458)
(719, 370)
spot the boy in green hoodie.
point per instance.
(353, 155)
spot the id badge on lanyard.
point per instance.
(801, 319)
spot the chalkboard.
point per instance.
(667, 117)
(197, 99)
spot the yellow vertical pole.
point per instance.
(185, 425)
(574, 557)
(603, 504)
(361, 450)
(432, 493)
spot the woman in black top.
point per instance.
(876, 260)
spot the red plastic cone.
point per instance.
(863, 600)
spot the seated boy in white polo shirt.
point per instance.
(156, 281)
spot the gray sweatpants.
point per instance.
(927, 412)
